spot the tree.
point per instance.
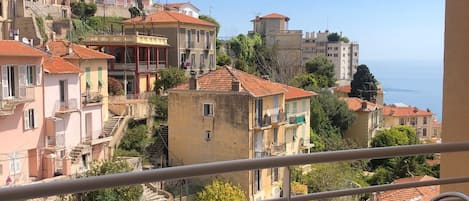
(169, 78)
(83, 10)
(211, 20)
(134, 12)
(389, 137)
(160, 103)
(223, 59)
(219, 190)
(323, 69)
(98, 168)
(115, 87)
(333, 37)
(135, 139)
(332, 176)
(363, 84)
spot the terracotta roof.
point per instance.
(425, 193)
(61, 48)
(221, 79)
(275, 16)
(294, 93)
(58, 65)
(392, 110)
(436, 123)
(16, 48)
(355, 104)
(347, 89)
(167, 17)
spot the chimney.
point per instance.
(193, 82)
(235, 85)
(364, 105)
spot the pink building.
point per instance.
(21, 113)
(62, 114)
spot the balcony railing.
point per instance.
(92, 98)
(190, 45)
(57, 141)
(265, 121)
(278, 149)
(69, 105)
(297, 119)
(280, 117)
(8, 105)
(188, 171)
(126, 39)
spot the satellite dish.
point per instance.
(25, 40)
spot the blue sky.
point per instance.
(385, 29)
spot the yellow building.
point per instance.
(368, 122)
(228, 114)
(420, 120)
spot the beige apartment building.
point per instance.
(192, 40)
(420, 120)
(368, 122)
(228, 114)
(455, 93)
(344, 55)
(285, 43)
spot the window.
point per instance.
(294, 135)
(211, 61)
(62, 90)
(192, 61)
(208, 136)
(183, 60)
(435, 132)
(336, 55)
(401, 121)
(287, 108)
(15, 164)
(424, 120)
(30, 72)
(294, 110)
(202, 61)
(88, 77)
(198, 37)
(188, 39)
(100, 78)
(257, 180)
(274, 174)
(30, 119)
(207, 40)
(413, 121)
(424, 132)
(208, 109)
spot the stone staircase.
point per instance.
(77, 151)
(159, 148)
(151, 195)
(109, 125)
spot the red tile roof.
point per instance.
(355, 104)
(221, 79)
(274, 16)
(409, 111)
(294, 93)
(436, 123)
(16, 48)
(167, 17)
(58, 65)
(425, 193)
(61, 49)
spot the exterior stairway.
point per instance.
(77, 151)
(109, 125)
(159, 148)
(151, 195)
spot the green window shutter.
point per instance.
(100, 76)
(88, 77)
(294, 108)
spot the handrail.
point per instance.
(117, 123)
(451, 195)
(179, 172)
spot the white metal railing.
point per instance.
(181, 172)
(67, 105)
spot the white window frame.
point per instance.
(210, 112)
(15, 164)
(30, 119)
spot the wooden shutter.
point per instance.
(23, 80)
(38, 74)
(26, 119)
(4, 81)
(36, 118)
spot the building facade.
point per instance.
(420, 120)
(369, 120)
(344, 90)
(192, 40)
(344, 55)
(228, 114)
(21, 113)
(286, 44)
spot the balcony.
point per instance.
(297, 119)
(70, 105)
(279, 119)
(137, 39)
(263, 123)
(173, 173)
(56, 142)
(8, 105)
(92, 98)
(278, 149)
(55, 133)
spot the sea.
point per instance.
(416, 83)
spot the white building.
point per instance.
(185, 7)
(344, 55)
